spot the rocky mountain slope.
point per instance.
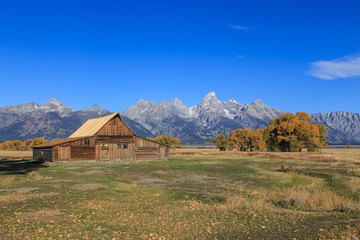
(202, 121)
(148, 119)
(212, 116)
(342, 127)
(51, 120)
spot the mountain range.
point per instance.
(148, 119)
(53, 120)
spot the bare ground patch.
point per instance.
(90, 172)
(330, 222)
(59, 180)
(200, 183)
(89, 186)
(19, 190)
(15, 197)
(44, 216)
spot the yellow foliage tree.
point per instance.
(27, 144)
(247, 140)
(38, 141)
(167, 140)
(221, 142)
(291, 133)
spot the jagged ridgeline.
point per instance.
(53, 120)
(148, 119)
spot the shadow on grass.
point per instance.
(19, 166)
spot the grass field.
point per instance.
(199, 195)
(15, 155)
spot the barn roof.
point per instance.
(88, 129)
(57, 142)
(92, 126)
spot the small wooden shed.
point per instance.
(102, 139)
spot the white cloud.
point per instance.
(240, 56)
(344, 67)
(241, 28)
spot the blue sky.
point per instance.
(294, 55)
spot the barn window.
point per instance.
(42, 153)
(86, 141)
(119, 145)
(125, 146)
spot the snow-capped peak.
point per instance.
(210, 95)
(210, 99)
(257, 102)
(176, 101)
(53, 101)
(94, 108)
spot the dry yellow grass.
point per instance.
(326, 155)
(34, 176)
(320, 200)
(15, 155)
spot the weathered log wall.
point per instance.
(42, 154)
(147, 150)
(115, 127)
(113, 142)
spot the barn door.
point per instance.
(64, 153)
(104, 152)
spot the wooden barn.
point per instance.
(101, 139)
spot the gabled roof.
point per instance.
(88, 129)
(92, 126)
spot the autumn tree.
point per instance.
(17, 145)
(26, 145)
(6, 146)
(172, 142)
(238, 139)
(348, 145)
(247, 140)
(14, 145)
(221, 142)
(290, 133)
(38, 141)
(257, 142)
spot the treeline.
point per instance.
(287, 133)
(17, 145)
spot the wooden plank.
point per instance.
(82, 152)
(97, 152)
(104, 152)
(64, 153)
(115, 139)
(55, 154)
(115, 127)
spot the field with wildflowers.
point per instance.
(186, 197)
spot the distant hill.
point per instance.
(148, 119)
